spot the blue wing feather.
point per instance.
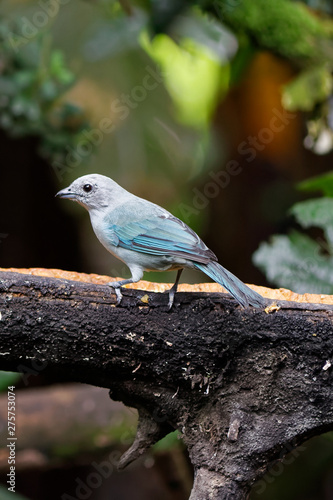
(163, 235)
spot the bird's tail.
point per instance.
(241, 292)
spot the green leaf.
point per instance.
(58, 68)
(8, 378)
(318, 213)
(323, 183)
(310, 87)
(296, 262)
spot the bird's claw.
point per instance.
(171, 299)
(119, 295)
(115, 285)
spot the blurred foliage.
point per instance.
(312, 86)
(183, 66)
(311, 91)
(7, 379)
(286, 28)
(321, 183)
(197, 43)
(302, 36)
(32, 79)
(198, 46)
(320, 127)
(293, 31)
(324, 6)
(297, 260)
(8, 495)
(170, 441)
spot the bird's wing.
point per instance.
(162, 235)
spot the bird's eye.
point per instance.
(87, 188)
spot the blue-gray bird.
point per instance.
(146, 237)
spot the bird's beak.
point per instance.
(66, 193)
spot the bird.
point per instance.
(146, 237)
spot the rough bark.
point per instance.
(243, 386)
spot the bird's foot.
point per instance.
(116, 286)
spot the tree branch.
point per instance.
(243, 386)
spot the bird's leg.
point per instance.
(137, 274)
(173, 290)
(116, 285)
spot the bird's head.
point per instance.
(93, 191)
